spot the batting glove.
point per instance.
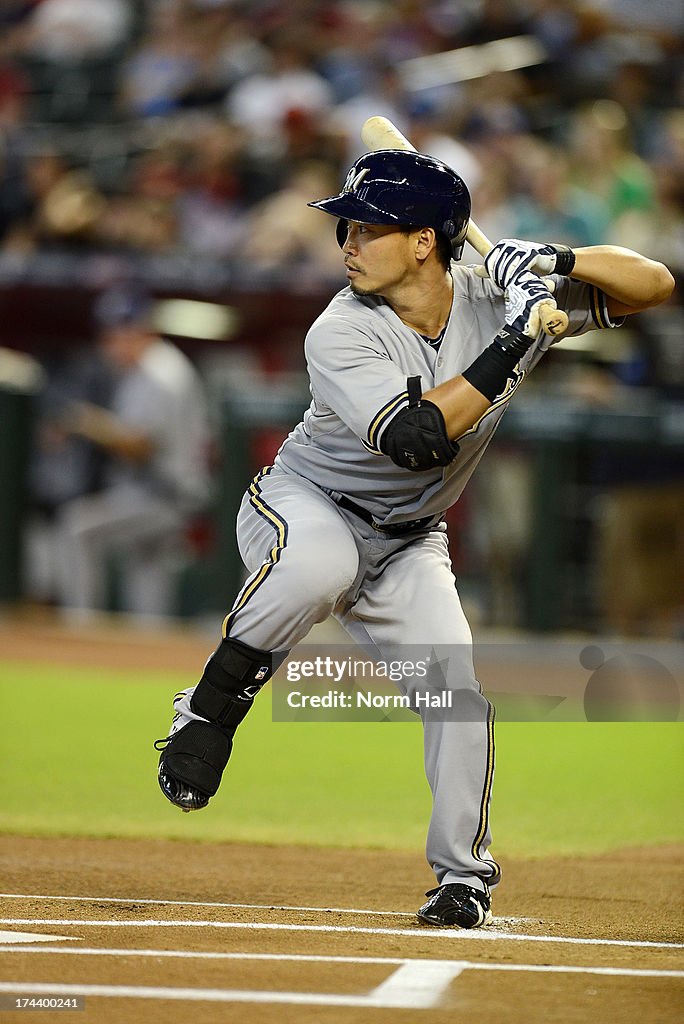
(512, 256)
(524, 296)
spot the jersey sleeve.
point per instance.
(586, 306)
(353, 376)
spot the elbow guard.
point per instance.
(416, 438)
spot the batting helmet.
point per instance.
(397, 186)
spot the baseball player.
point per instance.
(411, 368)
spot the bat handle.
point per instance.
(553, 321)
(479, 242)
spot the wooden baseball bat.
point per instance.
(379, 133)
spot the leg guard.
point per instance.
(231, 680)
(194, 757)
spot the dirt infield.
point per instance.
(161, 931)
(268, 934)
(108, 640)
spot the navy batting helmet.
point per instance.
(399, 186)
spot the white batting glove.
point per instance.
(524, 296)
(513, 256)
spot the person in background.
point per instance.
(156, 435)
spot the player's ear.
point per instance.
(425, 243)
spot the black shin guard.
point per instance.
(197, 754)
(231, 680)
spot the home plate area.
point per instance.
(146, 960)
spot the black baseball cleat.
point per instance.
(456, 905)
(179, 793)
(192, 759)
(191, 762)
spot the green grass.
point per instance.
(76, 758)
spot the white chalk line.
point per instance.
(414, 985)
(182, 954)
(417, 984)
(202, 903)
(198, 995)
(422, 933)
(232, 906)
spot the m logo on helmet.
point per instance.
(354, 180)
(397, 186)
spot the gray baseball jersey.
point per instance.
(359, 355)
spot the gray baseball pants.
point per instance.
(308, 559)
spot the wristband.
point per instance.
(565, 260)
(491, 371)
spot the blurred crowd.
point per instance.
(155, 129)
(206, 125)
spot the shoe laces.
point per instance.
(161, 744)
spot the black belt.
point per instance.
(396, 530)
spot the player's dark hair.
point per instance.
(445, 253)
